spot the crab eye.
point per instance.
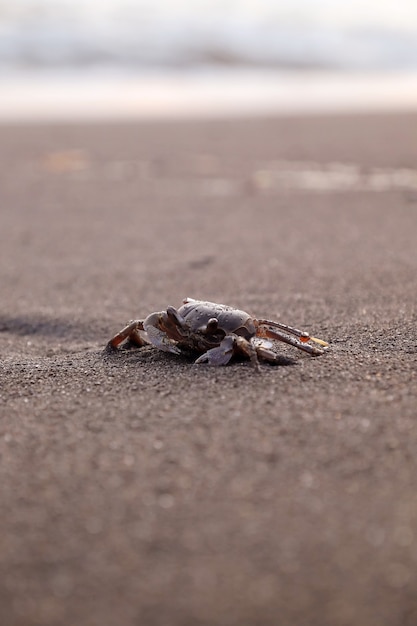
(212, 325)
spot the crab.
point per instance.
(216, 332)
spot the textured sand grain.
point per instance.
(139, 489)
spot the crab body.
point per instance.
(198, 314)
(214, 331)
(210, 322)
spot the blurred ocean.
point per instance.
(365, 35)
(92, 59)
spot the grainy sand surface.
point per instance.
(139, 489)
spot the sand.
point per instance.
(140, 489)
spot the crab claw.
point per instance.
(157, 336)
(321, 342)
(220, 355)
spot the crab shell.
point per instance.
(198, 316)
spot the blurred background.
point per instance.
(143, 34)
(173, 47)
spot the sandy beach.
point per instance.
(140, 489)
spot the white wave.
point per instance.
(371, 34)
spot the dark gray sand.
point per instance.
(139, 489)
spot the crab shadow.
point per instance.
(149, 354)
(43, 326)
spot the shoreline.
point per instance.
(109, 96)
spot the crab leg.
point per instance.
(231, 344)
(302, 335)
(274, 334)
(247, 348)
(268, 355)
(131, 331)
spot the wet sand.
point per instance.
(140, 489)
